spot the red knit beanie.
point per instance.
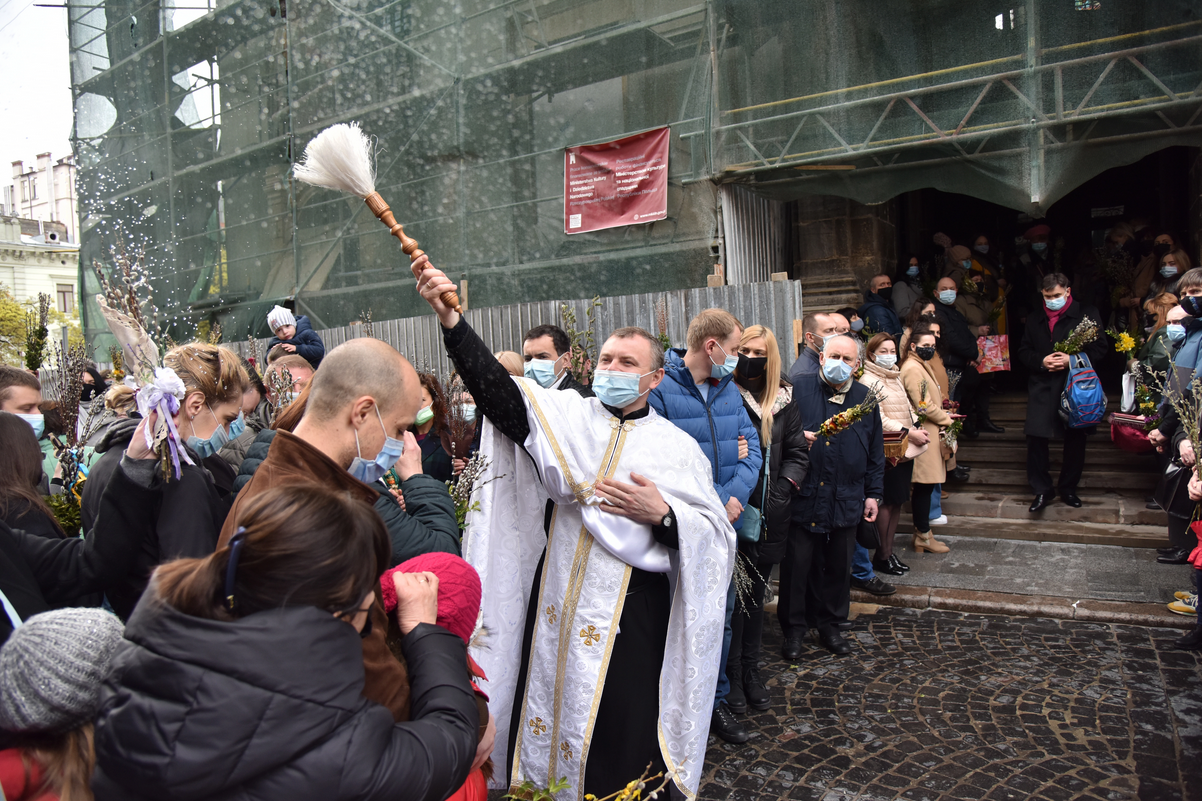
(458, 590)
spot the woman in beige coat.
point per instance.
(897, 414)
(927, 397)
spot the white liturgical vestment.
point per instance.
(589, 553)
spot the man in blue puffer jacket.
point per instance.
(698, 395)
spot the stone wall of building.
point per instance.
(838, 246)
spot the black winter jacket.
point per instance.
(958, 340)
(270, 707)
(845, 468)
(187, 525)
(38, 573)
(788, 464)
(429, 525)
(1044, 388)
(308, 344)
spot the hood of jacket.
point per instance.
(196, 706)
(118, 434)
(873, 299)
(302, 324)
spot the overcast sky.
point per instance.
(35, 95)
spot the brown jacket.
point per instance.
(928, 467)
(291, 460)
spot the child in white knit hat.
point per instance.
(51, 672)
(294, 335)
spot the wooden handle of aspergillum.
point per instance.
(408, 244)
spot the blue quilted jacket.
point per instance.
(308, 344)
(716, 422)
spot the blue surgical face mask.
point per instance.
(857, 325)
(947, 297)
(727, 367)
(966, 264)
(1055, 304)
(217, 440)
(1168, 270)
(1176, 332)
(981, 248)
(617, 389)
(541, 371)
(469, 412)
(1039, 247)
(370, 472)
(912, 270)
(836, 371)
(238, 426)
(36, 421)
(886, 360)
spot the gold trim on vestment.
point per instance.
(567, 622)
(659, 724)
(609, 647)
(582, 491)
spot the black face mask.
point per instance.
(1160, 250)
(927, 353)
(886, 292)
(751, 367)
(88, 393)
(1192, 306)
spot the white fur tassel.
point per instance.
(339, 158)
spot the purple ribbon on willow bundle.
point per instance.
(163, 396)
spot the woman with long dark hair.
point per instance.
(242, 676)
(21, 503)
(428, 427)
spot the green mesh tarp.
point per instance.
(188, 117)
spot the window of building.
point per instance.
(66, 298)
(33, 188)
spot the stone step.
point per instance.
(1100, 455)
(1105, 508)
(1014, 478)
(1128, 536)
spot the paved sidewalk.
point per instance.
(938, 705)
(1102, 572)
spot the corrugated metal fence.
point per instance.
(772, 304)
(756, 235)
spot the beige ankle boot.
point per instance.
(926, 542)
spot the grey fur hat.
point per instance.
(52, 667)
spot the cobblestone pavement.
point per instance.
(938, 705)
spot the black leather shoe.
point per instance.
(1041, 502)
(990, 427)
(1178, 556)
(1071, 499)
(898, 564)
(755, 690)
(845, 625)
(1153, 505)
(727, 726)
(791, 650)
(967, 467)
(873, 585)
(835, 643)
(959, 474)
(1168, 550)
(887, 568)
(1190, 642)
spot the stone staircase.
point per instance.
(827, 292)
(993, 502)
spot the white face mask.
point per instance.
(886, 360)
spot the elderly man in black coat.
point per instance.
(961, 354)
(1050, 324)
(845, 483)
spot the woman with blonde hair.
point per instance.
(926, 395)
(768, 399)
(511, 361)
(209, 415)
(882, 373)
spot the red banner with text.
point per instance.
(624, 182)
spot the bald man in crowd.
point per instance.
(364, 394)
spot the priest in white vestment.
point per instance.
(603, 611)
